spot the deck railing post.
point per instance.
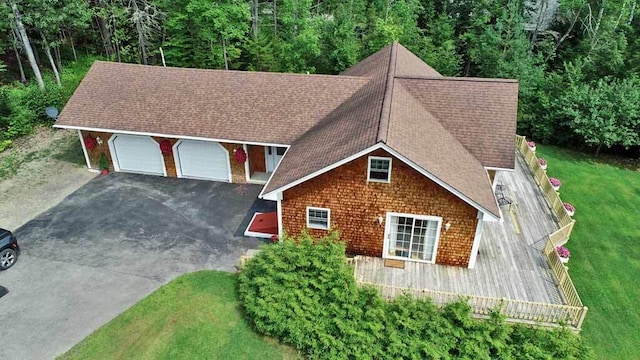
(583, 314)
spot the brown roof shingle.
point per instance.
(231, 105)
(450, 127)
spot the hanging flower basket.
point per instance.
(555, 183)
(240, 155)
(89, 142)
(570, 208)
(543, 163)
(532, 145)
(166, 148)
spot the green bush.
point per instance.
(22, 107)
(103, 162)
(302, 292)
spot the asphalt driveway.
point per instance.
(111, 243)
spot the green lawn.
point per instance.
(195, 316)
(605, 246)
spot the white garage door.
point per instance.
(202, 160)
(140, 154)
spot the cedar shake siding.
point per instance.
(94, 154)
(492, 175)
(256, 159)
(355, 206)
(237, 169)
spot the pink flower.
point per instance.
(531, 144)
(569, 207)
(555, 182)
(542, 161)
(563, 251)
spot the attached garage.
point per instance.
(206, 160)
(138, 154)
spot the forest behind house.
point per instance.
(577, 61)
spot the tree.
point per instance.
(603, 113)
(22, 32)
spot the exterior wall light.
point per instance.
(380, 220)
(447, 226)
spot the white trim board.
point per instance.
(84, 149)
(272, 194)
(499, 169)
(127, 132)
(476, 241)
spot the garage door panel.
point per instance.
(202, 160)
(140, 154)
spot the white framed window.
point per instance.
(318, 218)
(379, 169)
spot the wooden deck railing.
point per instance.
(552, 196)
(512, 310)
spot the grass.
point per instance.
(605, 251)
(195, 316)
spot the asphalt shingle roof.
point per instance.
(450, 127)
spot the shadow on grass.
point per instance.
(69, 150)
(577, 156)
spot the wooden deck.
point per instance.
(510, 263)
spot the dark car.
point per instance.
(9, 249)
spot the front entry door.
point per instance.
(273, 154)
(412, 237)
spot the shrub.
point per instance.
(103, 163)
(302, 292)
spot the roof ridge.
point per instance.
(385, 111)
(270, 73)
(452, 78)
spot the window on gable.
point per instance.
(379, 169)
(317, 218)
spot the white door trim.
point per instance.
(114, 154)
(387, 234)
(176, 159)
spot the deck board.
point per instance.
(509, 264)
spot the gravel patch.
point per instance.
(37, 172)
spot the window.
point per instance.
(379, 169)
(317, 218)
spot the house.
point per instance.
(395, 156)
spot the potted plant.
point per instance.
(555, 183)
(103, 164)
(570, 208)
(543, 163)
(532, 145)
(564, 254)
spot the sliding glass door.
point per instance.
(412, 237)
